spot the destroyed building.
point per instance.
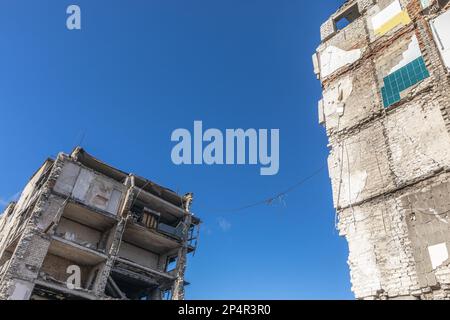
(126, 236)
(384, 69)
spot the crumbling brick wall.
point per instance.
(385, 101)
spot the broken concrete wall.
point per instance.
(78, 233)
(441, 32)
(384, 233)
(351, 99)
(14, 219)
(350, 10)
(380, 259)
(56, 268)
(386, 17)
(428, 222)
(418, 140)
(9, 222)
(345, 48)
(90, 188)
(110, 236)
(32, 246)
(5, 258)
(21, 275)
(359, 166)
(76, 216)
(401, 70)
(54, 208)
(387, 120)
(138, 255)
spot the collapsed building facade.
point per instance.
(127, 237)
(384, 68)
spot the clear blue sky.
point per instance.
(140, 69)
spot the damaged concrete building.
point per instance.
(384, 68)
(127, 237)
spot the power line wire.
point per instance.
(279, 195)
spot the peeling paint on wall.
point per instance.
(358, 181)
(403, 79)
(441, 33)
(390, 17)
(367, 268)
(409, 71)
(412, 53)
(335, 97)
(388, 170)
(88, 187)
(333, 58)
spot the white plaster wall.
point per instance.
(441, 32)
(334, 99)
(380, 256)
(359, 167)
(351, 98)
(365, 275)
(89, 187)
(333, 58)
(438, 254)
(380, 13)
(418, 140)
(386, 14)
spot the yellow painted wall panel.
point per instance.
(401, 18)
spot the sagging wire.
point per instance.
(350, 189)
(382, 181)
(336, 215)
(278, 196)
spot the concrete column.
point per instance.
(102, 279)
(178, 286)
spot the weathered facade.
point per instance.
(384, 68)
(124, 236)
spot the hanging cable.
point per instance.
(279, 195)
